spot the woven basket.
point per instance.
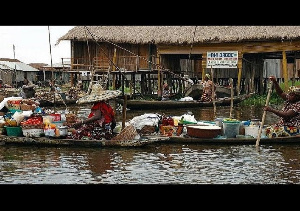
(26, 107)
(147, 130)
(128, 133)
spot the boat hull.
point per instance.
(230, 141)
(52, 141)
(143, 141)
(156, 104)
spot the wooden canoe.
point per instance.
(47, 103)
(156, 104)
(229, 141)
(52, 141)
(143, 141)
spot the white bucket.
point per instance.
(253, 130)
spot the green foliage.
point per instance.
(260, 100)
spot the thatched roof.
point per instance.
(182, 34)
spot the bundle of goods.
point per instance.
(167, 126)
(146, 124)
(28, 104)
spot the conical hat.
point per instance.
(98, 94)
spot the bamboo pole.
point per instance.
(231, 99)
(264, 114)
(124, 111)
(213, 91)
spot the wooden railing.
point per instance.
(126, 63)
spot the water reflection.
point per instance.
(157, 164)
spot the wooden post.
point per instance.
(159, 81)
(124, 111)
(213, 91)
(285, 72)
(114, 69)
(239, 66)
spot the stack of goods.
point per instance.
(33, 126)
(167, 126)
(12, 123)
(14, 104)
(47, 96)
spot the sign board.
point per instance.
(222, 59)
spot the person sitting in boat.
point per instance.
(166, 92)
(209, 89)
(289, 115)
(101, 120)
(28, 89)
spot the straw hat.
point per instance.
(207, 75)
(98, 94)
(294, 89)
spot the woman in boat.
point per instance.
(289, 115)
(166, 92)
(101, 120)
(209, 89)
(28, 89)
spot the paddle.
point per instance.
(264, 114)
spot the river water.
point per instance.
(159, 163)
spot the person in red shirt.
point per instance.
(101, 120)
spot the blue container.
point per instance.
(231, 128)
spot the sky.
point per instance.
(30, 44)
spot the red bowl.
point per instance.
(203, 131)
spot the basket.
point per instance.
(147, 130)
(128, 133)
(14, 131)
(26, 107)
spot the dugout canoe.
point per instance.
(47, 103)
(51, 141)
(143, 141)
(232, 141)
(172, 104)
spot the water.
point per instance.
(159, 164)
(156, 164)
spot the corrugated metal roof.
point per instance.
(5, 67)
(19, 66)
